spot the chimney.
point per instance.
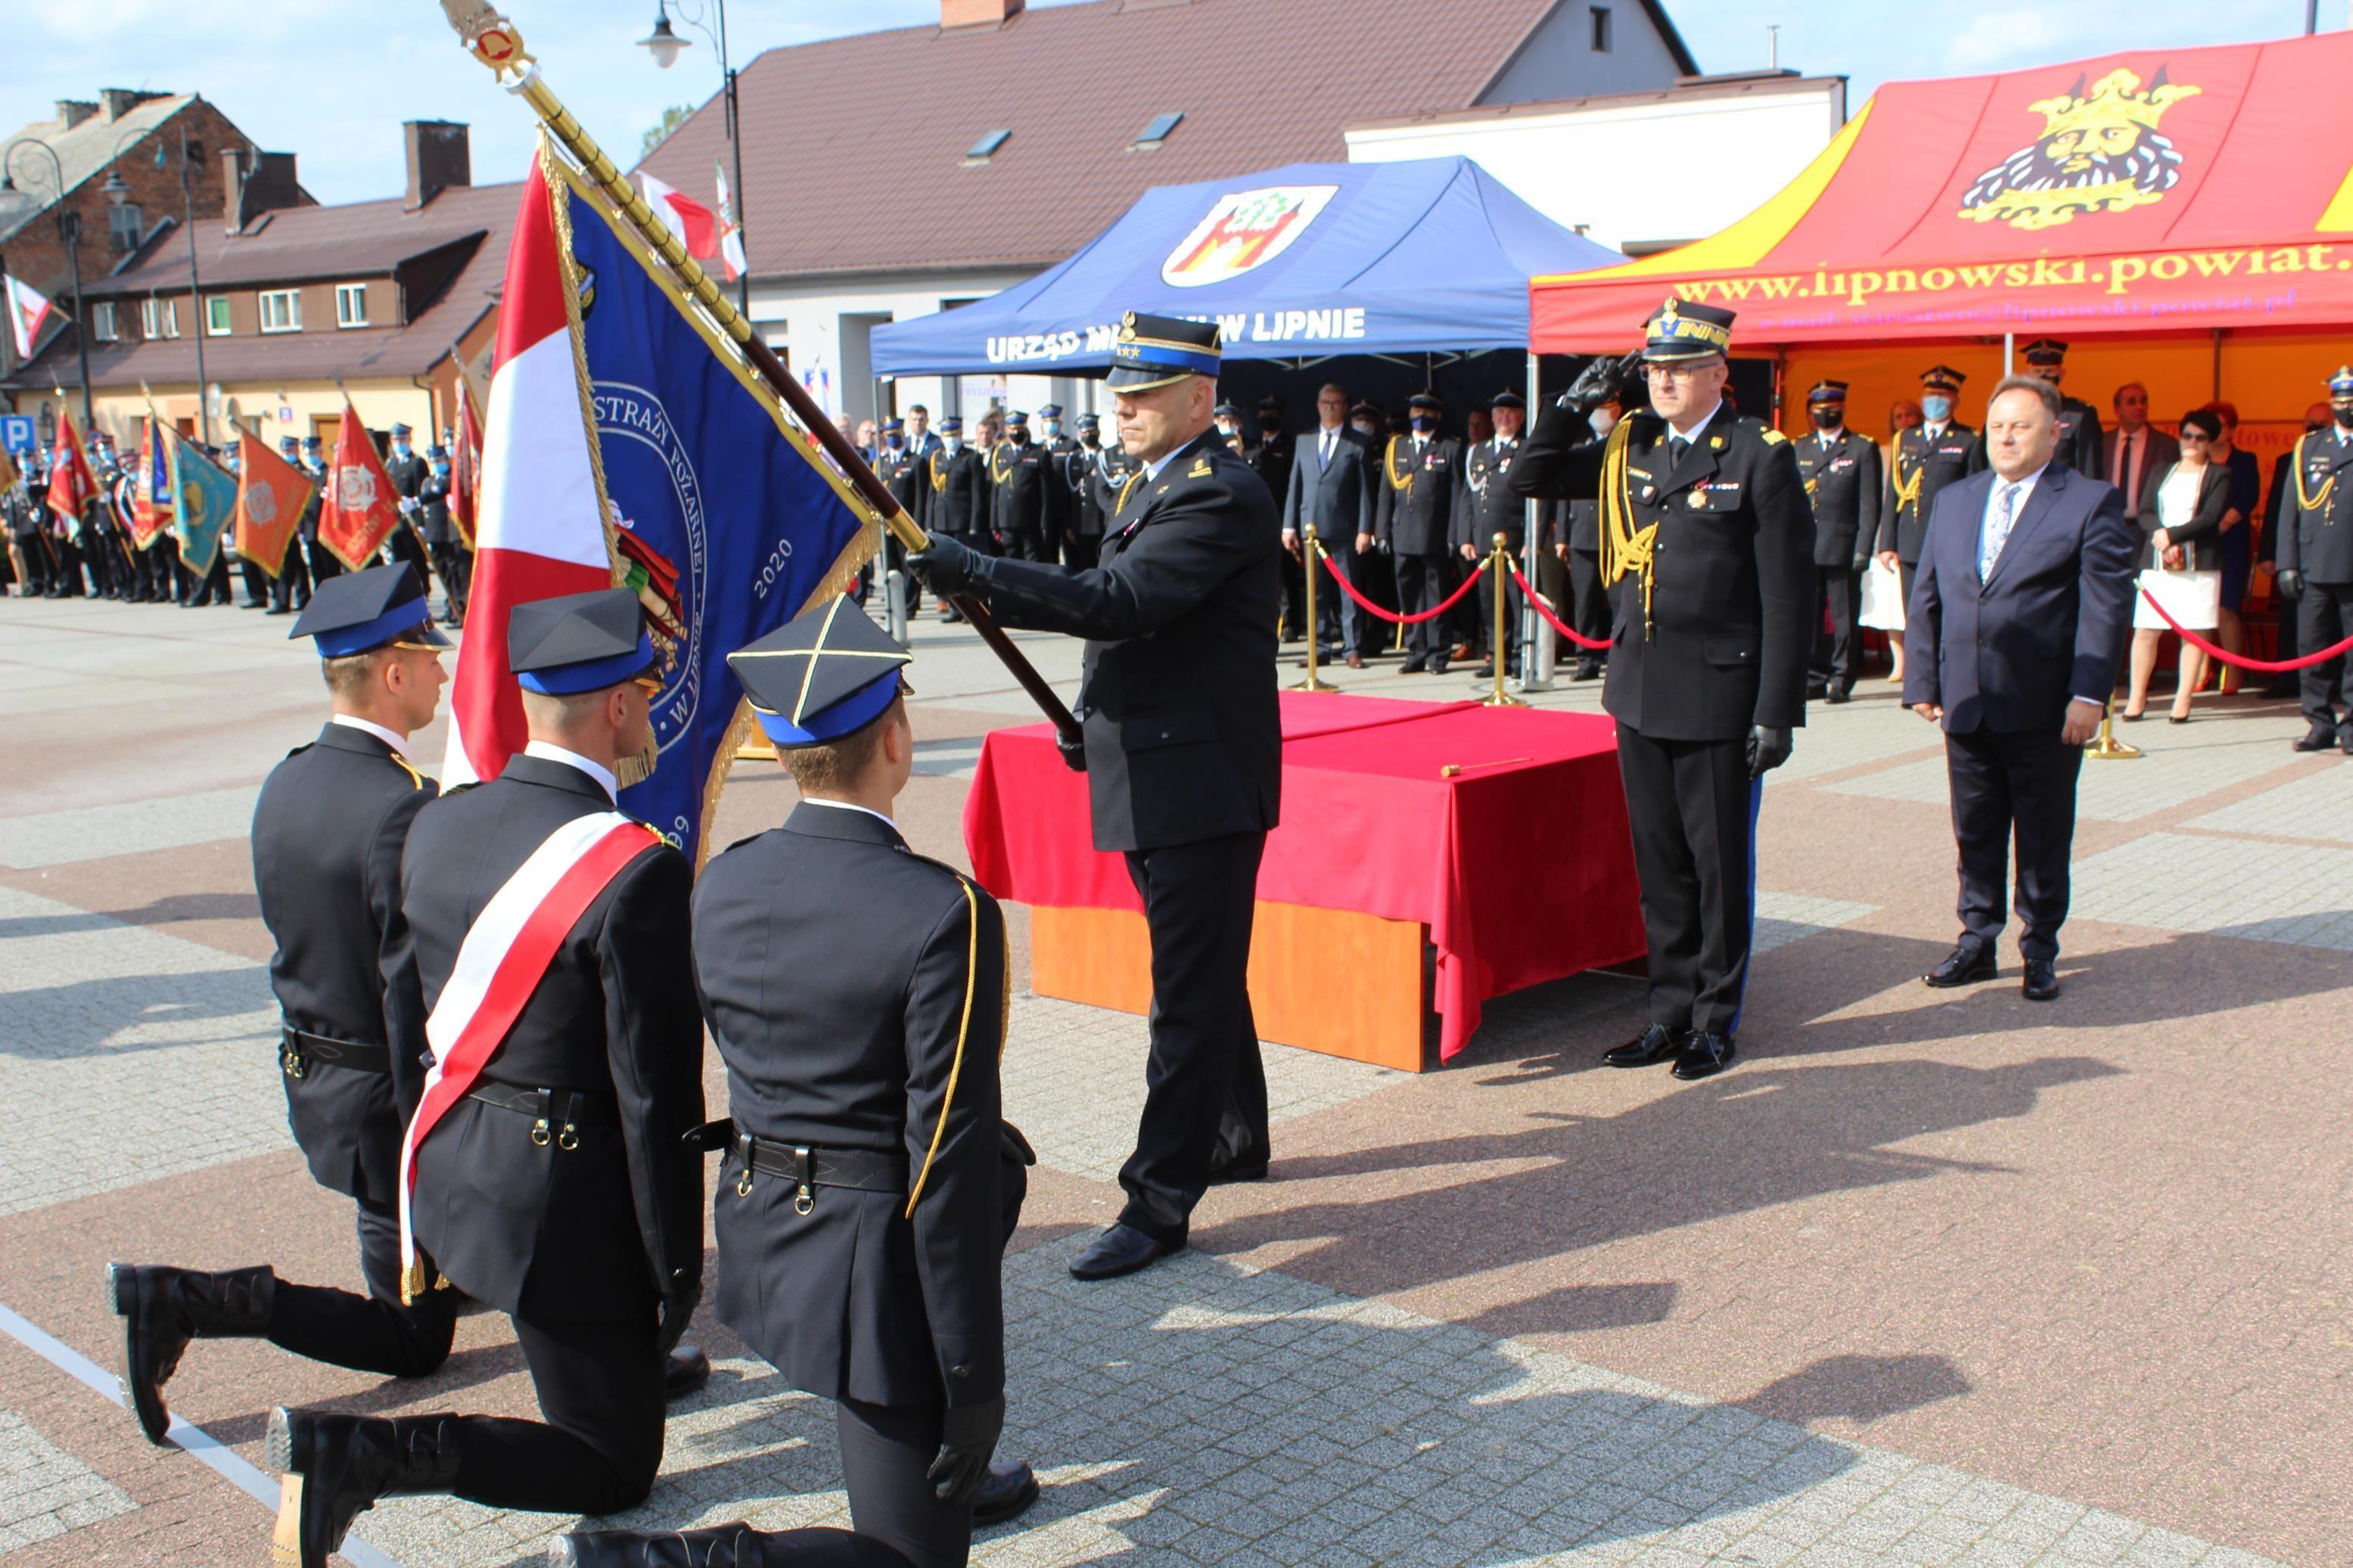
(119, 102)
(959, 13)
(253, 182)
(72, 112)
(437, 159)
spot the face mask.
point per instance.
(1227, 430)
(1829, 418)
(953, 443)
(1362, 426)
(1270, 422)
(1937, 409)
(894, 441)
(1423, 424)
(2344, 412)
(400, 450)
(1053, 428)
(440, 470)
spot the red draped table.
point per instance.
(1495, 837)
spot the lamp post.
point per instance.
(68, 231)
(117, 193)
(665, 46)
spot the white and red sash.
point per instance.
(505, 954)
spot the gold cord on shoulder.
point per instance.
(939, 475)
(1389, 467)
(1624, 547)
(2310, 502)
(964, 1026)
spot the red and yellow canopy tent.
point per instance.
(2180, 217)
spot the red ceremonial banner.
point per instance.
(466, 463)
(271, 496)
(71, 485)
(360, 508)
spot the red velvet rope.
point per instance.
(2267, 665)
(1546, 611)
(1452, 599)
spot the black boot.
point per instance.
(335, 1467)
(715, 1546)
(162, 1309)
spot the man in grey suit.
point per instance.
(2135, 450)
(1331, 487)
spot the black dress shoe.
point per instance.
(1121, 1249)
(278, 610)
(1585, 670)
(1706, 1053)
(336, 1467)
(1485, 671)
(686, 1369)
(1011, 1488)
(1438, 665)
(1837, 694)
(1964, 965)
(1412, 666)
(1648, 1049)
(162, 1309)
(2317, 740)
(713, 1546)
(2041, 979)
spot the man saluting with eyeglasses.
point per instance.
(1707, 549)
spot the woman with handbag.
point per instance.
(2181, 511)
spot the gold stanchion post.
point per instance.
(2106, 745)
(1311, 549)
(1500, 562)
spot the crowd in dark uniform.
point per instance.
(95, 555)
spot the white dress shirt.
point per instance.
(851, 806)
(392, 738)
(1691, 432)
(549, 750)
(2025, 489)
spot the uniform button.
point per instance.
(960, 1370)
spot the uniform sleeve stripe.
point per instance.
(964, 1026)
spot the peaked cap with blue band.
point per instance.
(1159, 351)
(578, 642)
(828, 673)
(2341, 384)
(1684, 330)
(356, 611)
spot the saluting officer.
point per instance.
(868, 1182)
(1708, 544)
(1842, 480)
(1490, 506)
(1413, 520)
(549, 1174)
(2314, 560)
(327, 837)
(1183, 752)
(2081, 441)
(1928, 456)
(1083, 531)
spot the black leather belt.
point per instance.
(298, 1049)
(854, 1170)
(558, 1113)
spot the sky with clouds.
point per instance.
(331, 81)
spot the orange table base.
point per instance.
(1332, 981)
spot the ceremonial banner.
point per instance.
(731, 235)
(360, 508)
(204, 500)
(71, 484)
(685, 217)
(672, 471)
(466, 462)
(271, 496)
(150, 496)
(29, 315)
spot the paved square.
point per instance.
(44, 1491)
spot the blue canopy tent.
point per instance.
(1305, 261)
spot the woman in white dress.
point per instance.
(2181, 511)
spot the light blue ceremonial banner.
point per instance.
(204, 502)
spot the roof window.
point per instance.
(983, 150)
(1154, 134)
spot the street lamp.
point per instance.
(70, 232)
(117, 193)
(665, 46)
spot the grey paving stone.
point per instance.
(2293, 893)
(45, 1491)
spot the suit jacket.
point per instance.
(1272, 461)
(1336, 497)
(902, 473)
(1085, 507)
(1843, 481)
(1923, 466)
(1415, 495)
(1021, 499)
(327, 837)
(2008, 653)
(2155, 450)
(1731, 622)
(961, 494)
(886, 1038)
(1183, 741)
(2201, 536)
(601, 1230)
(1486, 504)
(2317, 540)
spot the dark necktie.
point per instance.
(1676, 447)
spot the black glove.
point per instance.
(1767, 749)
(968, 1435)
(1599, 381)
(947, 568)
(678, 1304)
(2290, 582)
(1863, 564)
(1072, 744)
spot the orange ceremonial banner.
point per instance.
(360, 508)
(271, 496)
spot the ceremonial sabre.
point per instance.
(493, 40)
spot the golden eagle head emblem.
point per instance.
(2100, 150)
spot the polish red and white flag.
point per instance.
(538, 529)
(696, 225)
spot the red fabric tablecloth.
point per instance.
(1524, 870)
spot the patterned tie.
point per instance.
(1998, 531)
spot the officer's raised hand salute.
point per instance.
(1707, 544)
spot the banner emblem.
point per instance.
(1244, 229)
(2099, 152)
(355, 488)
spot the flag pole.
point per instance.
(492, 39)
